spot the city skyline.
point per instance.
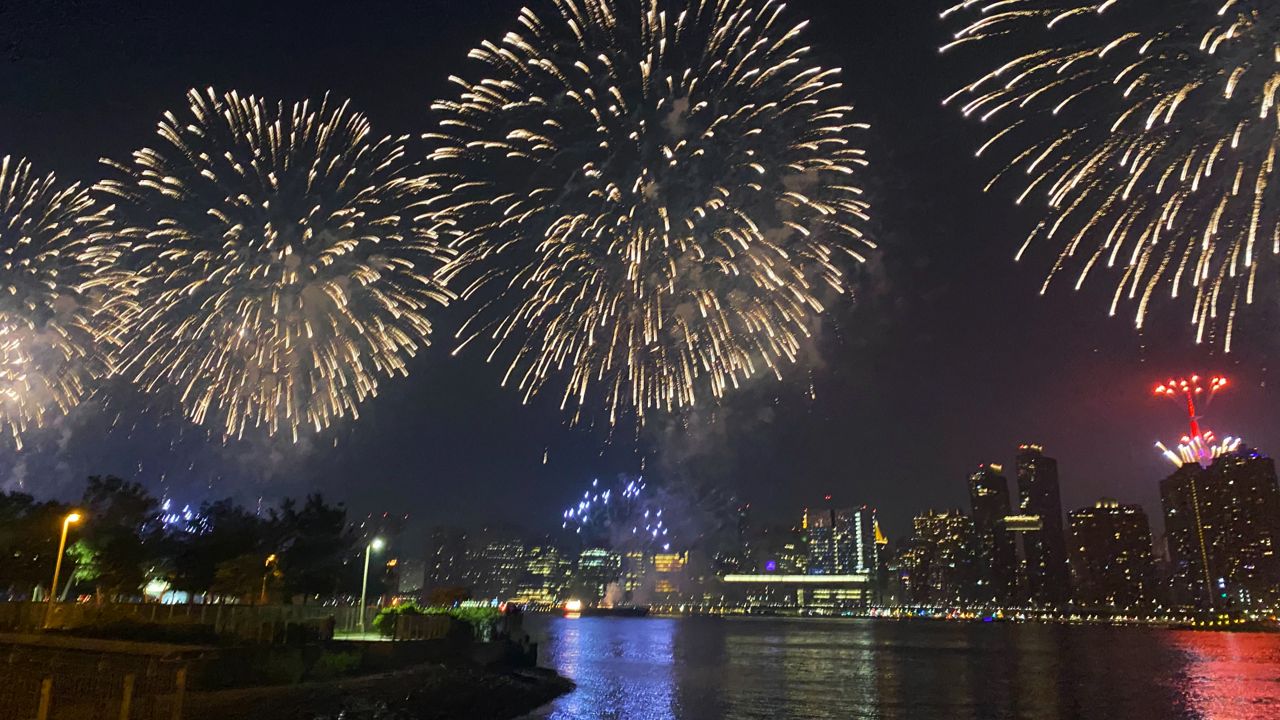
(872, 415)
(643, 359)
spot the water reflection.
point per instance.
(1231, 676)
(703, 668)
(623, 669)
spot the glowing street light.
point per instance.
(375, 544)
(266, 572)
(72, 517)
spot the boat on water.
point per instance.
(623, 611)
(575, 608)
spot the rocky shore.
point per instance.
(426, 692)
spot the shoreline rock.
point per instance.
(426, 692)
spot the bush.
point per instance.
(385, 622)
(481, 620)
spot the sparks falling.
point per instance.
(285, 262)
(654, 198)
(621, 517)
(57, 324)
(1149, 129)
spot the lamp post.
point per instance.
(72, 517)
(375, 544)
(266, 572)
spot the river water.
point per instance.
(784, 669)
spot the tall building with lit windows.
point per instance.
(595, 570)
(1222, 528)
(783, 549)
(497, 560)
(1111, 563)
(939, 564)
(843, 541)
(997, 553)
(668, 576)
(545, 576)
(1048, 581)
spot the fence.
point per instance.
(255, 623)
(423, 627)
(58, 684)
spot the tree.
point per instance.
(225, 532)
(123, 533)
(29, 535)
(246, 577)
(84, 565)
(315, 545)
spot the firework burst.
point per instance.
(1199, 445)
(1149, 128)
(284, 262)
(57, 328)
(655, 197)
(623, 517)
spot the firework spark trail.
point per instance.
(623, 517)
(285, 262)
(58, 327)
(1151, 130)
(653, 197)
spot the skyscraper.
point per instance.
(783, 550)
(822, 542)
(1046, 551)
(843, 542)
(939, 564)
(545, 576)
(997, 554)
(1222, 526)
(1111, 562)
(595, 571)
(496, 559)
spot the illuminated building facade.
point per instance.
(783, 550)
(1111, 563)
(939, 564)
(817, 594)
(1048, 581)
(594, 571)
(668, 576)
(843, 541)
(636, 566)
(497, 560)
(1222, 525)
(545, 577)
(997, 552)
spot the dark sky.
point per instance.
(946, 357)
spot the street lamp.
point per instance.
(72, 517)
(375, 544)
(266, 572)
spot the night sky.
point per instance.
(946, 357)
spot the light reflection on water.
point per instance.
(778, 669)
